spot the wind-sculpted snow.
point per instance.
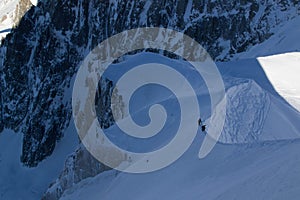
(247, 108)
(262, 99)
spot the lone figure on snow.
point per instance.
(203, 126)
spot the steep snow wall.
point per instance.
(247, 109)
(254, 115)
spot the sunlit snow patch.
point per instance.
(283, 72)
(34, 2)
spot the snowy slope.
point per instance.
(267, 89)
(285, 39)
(230, 172)
(266, 167)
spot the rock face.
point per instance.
(42, 54)
(22, 7)
(106, 99)
(79, 166)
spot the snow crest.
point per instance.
(247, 108)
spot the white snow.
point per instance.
(230, 172)
(283, 71)
(34, 2)
(259, 161)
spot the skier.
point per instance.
(203, 126)
(199, 122)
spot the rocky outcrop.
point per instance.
(22, 7)
(11, 12)
(79, 166)
(107, 99)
